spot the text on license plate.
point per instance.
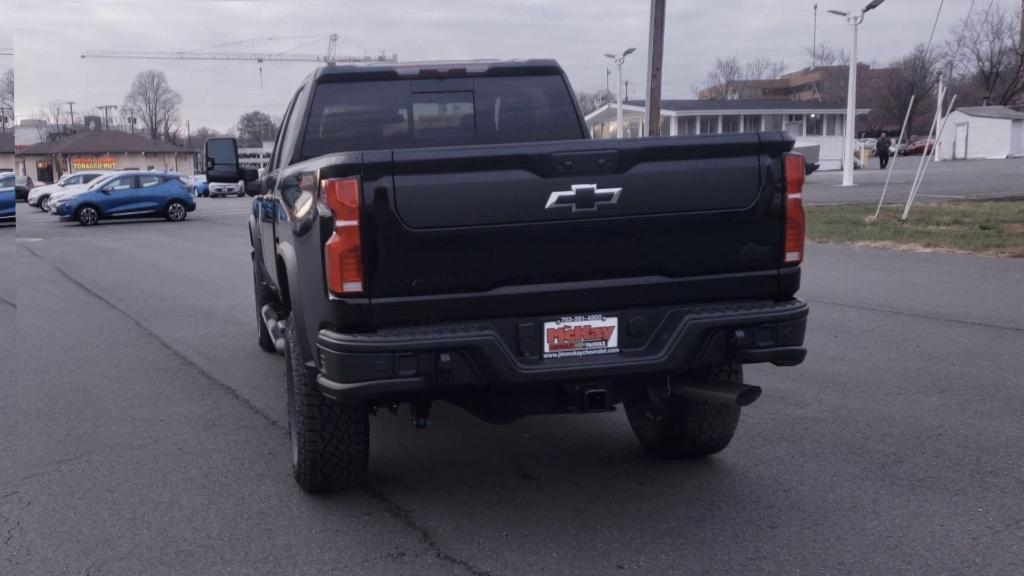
(581, 336)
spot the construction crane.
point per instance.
(259, 57)
(329, 58)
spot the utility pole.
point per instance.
(814, 41)
(939, 97)
(71, 106)
(188, 135)
(627, 90)
(131, 121)
(607, 80)
(106, 114)
(656, 44)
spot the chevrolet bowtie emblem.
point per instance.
(583, 198)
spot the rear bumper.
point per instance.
(404, 363)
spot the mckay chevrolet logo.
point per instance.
(583, 198)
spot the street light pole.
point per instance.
(851, 103)
(618, 60)
(854, 21)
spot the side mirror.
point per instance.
(251, 181)
(222, 160)
(106, 189)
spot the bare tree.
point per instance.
(828, 55)
(913, 74)
(764, 69)
(202, 134)
(728, 78)
(155, 104)
(590, 101)
(54, 109)
(7, 94)
(255, 127)
(987, 51)
(723, 81)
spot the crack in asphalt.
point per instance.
(164, 343)
(8, 302)
(915, 315)
(392, 509)
(426, 537)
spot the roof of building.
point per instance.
(738, 105)
(102, 142)
(7, 143)
(1001, 112)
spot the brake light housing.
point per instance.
(343, 252)
(793, 247)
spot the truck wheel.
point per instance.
(263, 297)
(330, 442)
(685, 428)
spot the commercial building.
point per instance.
(982, 132)
(101, 150)
(811, 123)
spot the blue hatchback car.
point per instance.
(6, 197)
(130, 194)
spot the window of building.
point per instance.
(834, 124)
(730, 124)
(752, 123)
(815, 125)
(687, 125)
(709, 124)
(772, 122)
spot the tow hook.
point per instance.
(420, 413)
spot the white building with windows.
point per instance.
(810, 123)
(982, 132)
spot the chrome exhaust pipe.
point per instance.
(718, 391)
(274, 326)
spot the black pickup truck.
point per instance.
(448, 232)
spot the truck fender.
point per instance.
(288, 274)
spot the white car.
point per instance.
(227, 189)
(40, 196)
(70, 191)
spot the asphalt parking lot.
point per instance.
(144, 433)
(943, 182)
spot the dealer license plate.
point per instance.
(581, 336)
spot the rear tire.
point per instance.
(330, 442)
(685, 428)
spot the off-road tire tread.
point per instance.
(692, 428)
(333, 439)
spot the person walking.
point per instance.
(882, 148)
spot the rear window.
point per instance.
(351, 116)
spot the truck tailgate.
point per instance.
(485, 218)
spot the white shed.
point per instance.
(982, 132)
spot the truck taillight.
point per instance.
(343, 255)
(794, 245)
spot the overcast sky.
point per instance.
(51, 34)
